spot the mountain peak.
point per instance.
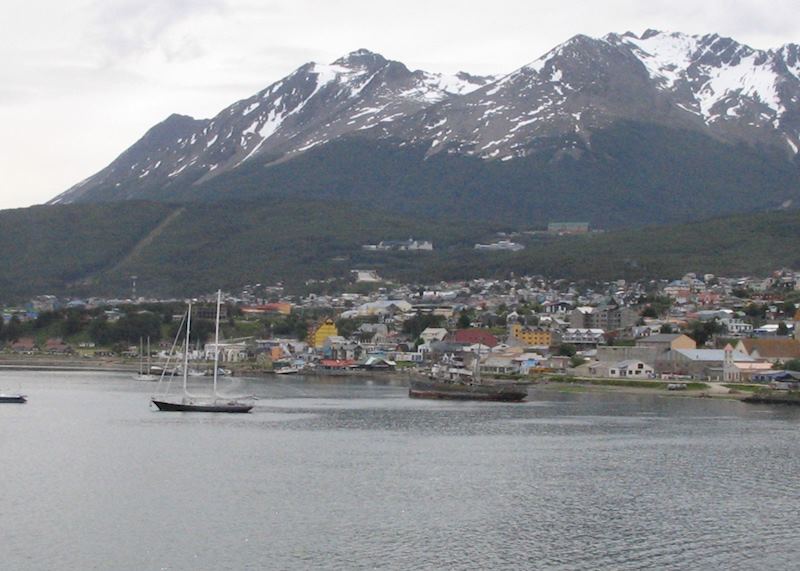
(649, 33)
(361, 58)
(707, 83)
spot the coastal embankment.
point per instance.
(66, 363)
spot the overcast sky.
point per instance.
(81, 80)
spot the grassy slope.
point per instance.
(45, 247)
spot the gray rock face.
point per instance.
(706, 83)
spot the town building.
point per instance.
(530, 337)
(229, 351)
(628, 369)
(708, 363)
(608, 318)
(500, 245)
(583, 338)
(410, 245)
(663, 342)
(772, 349)
(318, 335)
(474, 337)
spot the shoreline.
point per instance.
(708, 390)
(50, 363)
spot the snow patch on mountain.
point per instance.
(748, 78)
(585, 84)
(666, 56)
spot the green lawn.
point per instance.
(639, 384)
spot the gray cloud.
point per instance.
(132, 27)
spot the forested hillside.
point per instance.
(181, 250)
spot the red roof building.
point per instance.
(474, 337)
(24, 345)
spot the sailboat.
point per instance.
(194, 403)
(145, 374)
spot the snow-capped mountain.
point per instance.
(314, 105)
(706, 84)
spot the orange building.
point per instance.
(531, 337)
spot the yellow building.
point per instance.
(318, 335)
(531, 337)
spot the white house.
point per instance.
(628, 369)
(229, 352)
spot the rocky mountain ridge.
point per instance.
(706, 84)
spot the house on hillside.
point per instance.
(556, 307)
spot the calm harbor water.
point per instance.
(355, 475)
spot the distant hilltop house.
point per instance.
(384, 307)
(568, 228)
(366, 276)
(409, 245)
(278, 307)
(507, 245)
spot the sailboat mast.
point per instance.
(149, 366)
(216, 341)
(186, 351)
(476, 374)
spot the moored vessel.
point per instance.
(194, 403)
(453, 382)
(460, 390)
